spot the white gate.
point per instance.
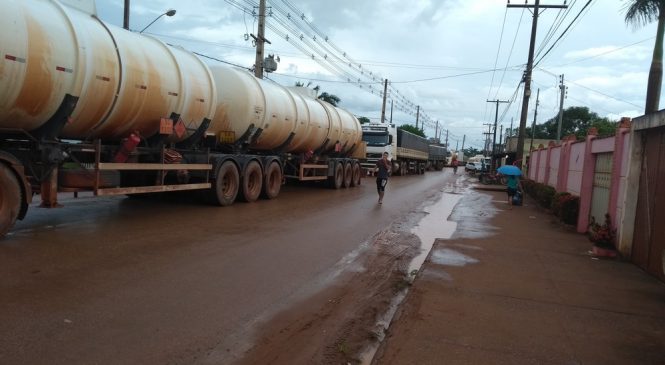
(602, 180)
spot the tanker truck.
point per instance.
(88, 106)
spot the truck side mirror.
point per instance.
(390, 139)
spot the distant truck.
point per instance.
(409, 153)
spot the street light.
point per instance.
(170, 12)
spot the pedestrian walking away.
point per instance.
(382, 172)
(455, 163)
(513, 185)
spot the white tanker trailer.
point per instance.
(87, 106)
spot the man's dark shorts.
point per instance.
(511, 191)
(381, 184)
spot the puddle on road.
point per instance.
(448, 257)
(434, 225)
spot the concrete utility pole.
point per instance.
(417, 115)
(446, 138)
(563, 95)
(125, 20)
(496, 120)
(463, 140)
(436, 132)
(391, 111)
(535, 116)
(529, 68)
(487, 138)
(383, 108)
(260, 39)
(511, 127)
(501, 138)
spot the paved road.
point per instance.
(126, 281)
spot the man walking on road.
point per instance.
(383, 171)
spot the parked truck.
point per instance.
(87, 106)
(409, 153)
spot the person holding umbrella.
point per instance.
(513, 184)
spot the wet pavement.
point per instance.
(515, 287)
(174, 281)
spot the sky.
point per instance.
(449, 57)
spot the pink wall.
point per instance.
(602, 145)
(555, 155)
(575, 168)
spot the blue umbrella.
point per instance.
(509, 170)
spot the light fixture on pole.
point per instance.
(170, 12)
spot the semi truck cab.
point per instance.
(380, 138)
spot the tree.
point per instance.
(330, 98)
(413, 129)
(471, 151)
(363, 120)
(640, 13)
(576, 120)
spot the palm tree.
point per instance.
(640, 13)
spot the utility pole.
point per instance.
(529, 68)
(391, 111)
(535, 115)
(383, 108)
(260, 39)
(501, 138)
(125, 20)
(496, 120)
(417, 115)
(446, 138)
(463, 140)
(511, 127)
(436, 132)
(563, 95)
(456, 144)
(487, 138)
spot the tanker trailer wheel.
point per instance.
(273, 181)
(10, 199)
(225, 187)
(355, 181)
(252, 182)
(348, 175)
(337, 180)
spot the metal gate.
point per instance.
(602, 180)
(649, 236)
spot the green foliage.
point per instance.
(602, 235)
(576, 120)
(564, 205)
(363, 120)
(330, 98)
(567, 207)
(412, 129)
(541, 192)
(471, 151)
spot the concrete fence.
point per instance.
(594, 169)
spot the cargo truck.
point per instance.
(87, 106)
(409, 153)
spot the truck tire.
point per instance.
(355, 181)
(273, 181)
(252, 182)
(348, 175)
(337, 180)
(226, 185)
(10, 199)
